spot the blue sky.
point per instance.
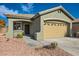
(33, 8)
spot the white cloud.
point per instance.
(4, 9)
(28, 8)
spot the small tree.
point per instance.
(2, 23)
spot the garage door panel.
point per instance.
(55, 30)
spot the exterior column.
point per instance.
(70, 29)
(10, 29)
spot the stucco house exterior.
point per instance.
(52, 23)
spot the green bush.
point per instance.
(20, 35)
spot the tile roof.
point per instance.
(20, 16)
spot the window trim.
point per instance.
(16, 23)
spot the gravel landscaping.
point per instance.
(18, 47)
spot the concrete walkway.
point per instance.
(70, 45)
(31, 42)
(35, 43)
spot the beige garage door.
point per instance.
(54, 29)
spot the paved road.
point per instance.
(70, 45)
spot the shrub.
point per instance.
(54, 45)
(2, 23)
(20, 35)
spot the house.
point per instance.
(75, 28)
(47, 24)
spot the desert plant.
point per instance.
(2, 23)
(20, 35)
(54, 45)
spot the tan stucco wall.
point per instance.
(56, 15)
(53, 16)
(35, 28)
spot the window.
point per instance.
(17, 26)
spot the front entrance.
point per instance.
(27, 29)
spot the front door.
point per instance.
(27, 31)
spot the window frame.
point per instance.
(16, 25)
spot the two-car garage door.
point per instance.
(54, 29)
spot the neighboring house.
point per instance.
(48, 24)
(75, 28)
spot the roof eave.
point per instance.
(56, 8)
(16, 17)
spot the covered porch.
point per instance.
(21, 27)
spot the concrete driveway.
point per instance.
(71, 45)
